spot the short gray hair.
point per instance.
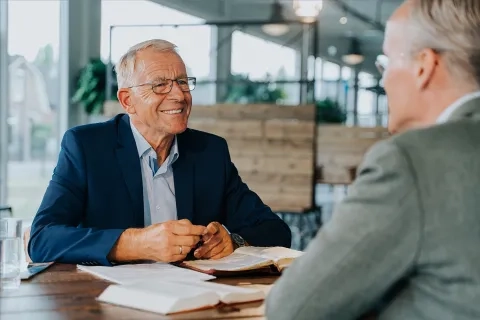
(125, 67)
(451, 27)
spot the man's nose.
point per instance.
(176, 93)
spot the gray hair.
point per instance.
(451, 27)
(125, 67)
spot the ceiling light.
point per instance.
(353, 59)
(332, 50)
(277, 27)
(354, 55)
(307, 10)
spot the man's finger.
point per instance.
(207, 246)
(176, 251)
(184, 229)
(189, 241)
(212, 228)
(184, 221)
(215, 251)
(225, 252)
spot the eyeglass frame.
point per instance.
(382, 66)
(156, 84)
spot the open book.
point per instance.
(165, 297)
(247, 259)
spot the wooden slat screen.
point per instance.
(340, 150)
(272, 147)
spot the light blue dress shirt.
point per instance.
(158, 186)
(456, 105)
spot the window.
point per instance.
(345, 98)
(33, 50)
(17, 86)
(263, 60)
(331, 76)
(318, 80)
(366, 99)
(131, 13)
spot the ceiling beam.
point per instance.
(213, 10)
(378, 25)
(220, 11)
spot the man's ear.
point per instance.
(125, 99)
(425, 66)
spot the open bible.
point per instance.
(166, 297)
(247, 259)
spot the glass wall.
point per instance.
(345, 96)
(366, 100)
(133, 13)
(382, 118)
(32, 111)
(335, 82)
(318, 65)
(264, 61)
(331, 77)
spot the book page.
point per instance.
(273, 253)
(160, 296)
(128, 273)
(234, 262)
(228, 294)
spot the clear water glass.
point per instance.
(10, 253)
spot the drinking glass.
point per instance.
(10, 253)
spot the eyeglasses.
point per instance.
(381, 63)
(166, 85)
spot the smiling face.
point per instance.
(158, 113)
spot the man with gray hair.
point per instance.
(143, 186)
(405, 241)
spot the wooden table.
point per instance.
(63, 292)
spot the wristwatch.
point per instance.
(238, 241)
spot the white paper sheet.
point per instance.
(130, 273)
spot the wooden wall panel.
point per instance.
(272, 147)
(254, 112)
(229, 128)
(340, 150)
(296, 148)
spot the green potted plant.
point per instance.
(243, 90)
(91, 87)
(329, 111)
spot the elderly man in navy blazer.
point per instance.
(144, 187)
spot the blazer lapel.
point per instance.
(129, 163)
(183, 177)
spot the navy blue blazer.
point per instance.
(96, 193)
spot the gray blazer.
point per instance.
(410, 223)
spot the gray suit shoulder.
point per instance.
(451, 134)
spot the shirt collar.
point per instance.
(144, 147)
(445, 115)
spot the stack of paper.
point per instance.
(165, 288)
(128, 273)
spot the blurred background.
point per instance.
(56, 59)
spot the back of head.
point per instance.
(451, 28)
(433, 50)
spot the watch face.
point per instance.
(238, 240)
